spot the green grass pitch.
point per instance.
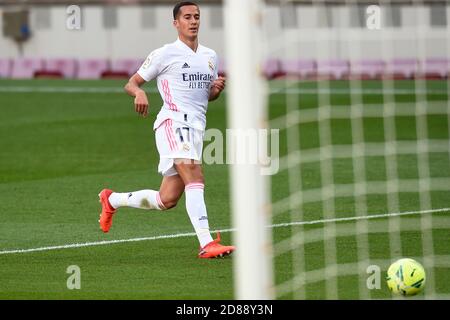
(64, 141)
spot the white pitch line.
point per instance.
(191, 234)
(374, 216)
(98, 243)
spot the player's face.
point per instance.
(188, 21)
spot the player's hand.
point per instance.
(219, 84)
(141, 104)
(216, 88)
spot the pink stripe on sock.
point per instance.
(160, 203)
(194, 186)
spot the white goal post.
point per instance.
(250, 198)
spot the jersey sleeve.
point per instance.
(151, 67)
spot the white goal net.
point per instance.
(359, 93)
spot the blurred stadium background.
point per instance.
(116, 35)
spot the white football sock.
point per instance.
(196, 208)
(144, 199)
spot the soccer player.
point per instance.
(186, 75)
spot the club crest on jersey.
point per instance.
(146, 63)
(186, 147)
(211, 65)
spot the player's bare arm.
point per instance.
(133, 88)
(216, 88)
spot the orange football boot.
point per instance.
(107, 210)
(214, 249)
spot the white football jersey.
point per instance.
(184, 78)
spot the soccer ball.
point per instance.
(406, 277)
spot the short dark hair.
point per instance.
(176, 9)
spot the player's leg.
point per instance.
(192, 175)
(170, 191)
(111, 201)
(190, 171)
(171, 188)
(142, 199)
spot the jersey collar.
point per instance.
(184, 46)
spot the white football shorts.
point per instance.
(175, 140)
